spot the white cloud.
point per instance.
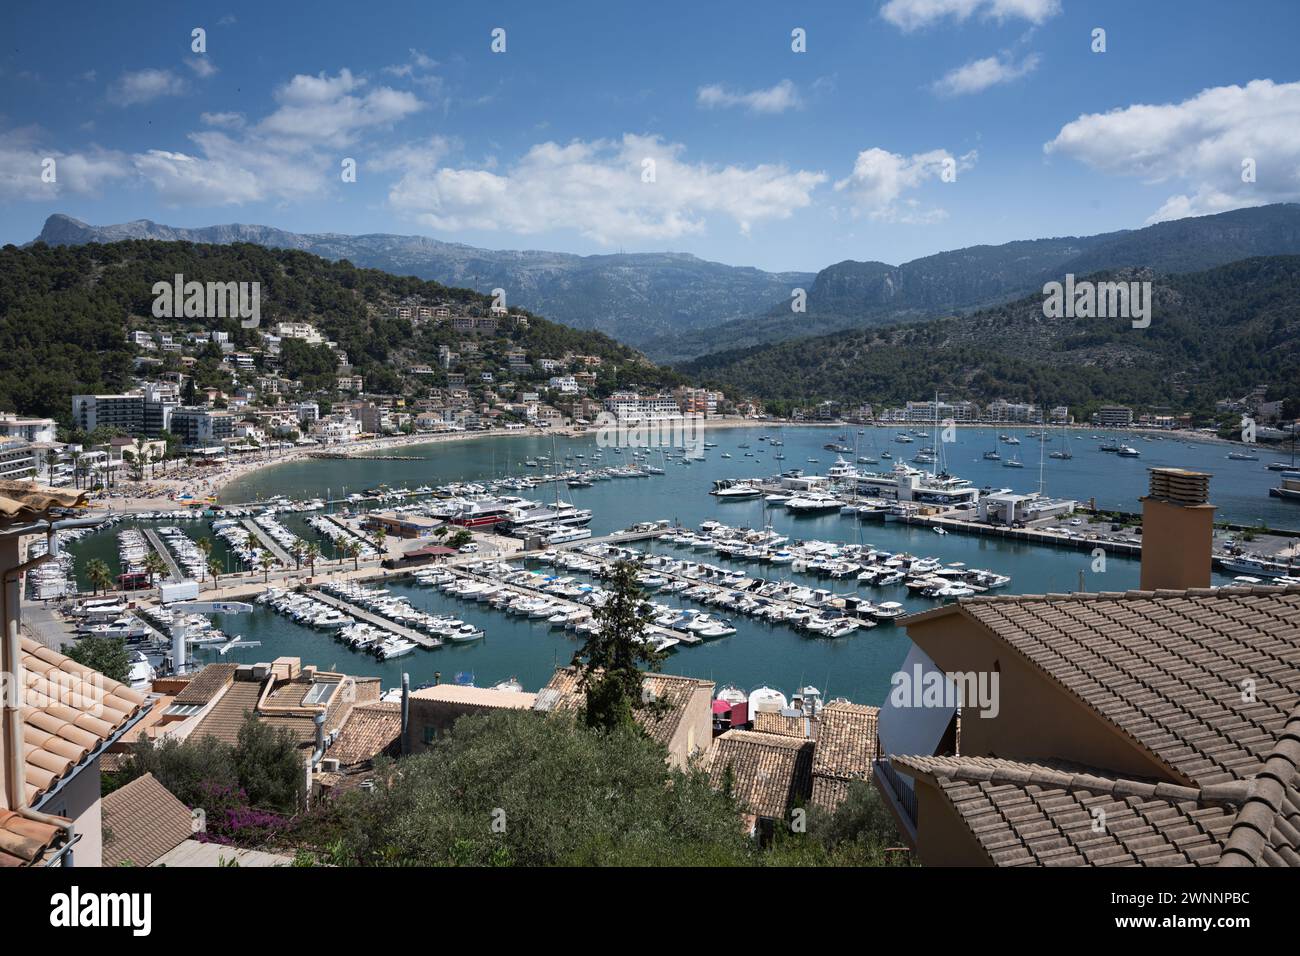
(143, 86)
(201, 66)
(84, 172)
(224, 120)
(181, 179)
(880, 179)
(332, 110)
(596, 188)
(777, 99)
(910, 15)
(978, 75)
(290, 154)
(1199, 143)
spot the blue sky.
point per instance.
(761, 156)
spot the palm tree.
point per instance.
(205, 545)
(266, 561)
(297, 551)
(76, 469)
(154, 565)
(99, 574)
(144, 460)
(352, 548)
(51, 459)
(313, 552)
(214, 568)
(380, 537)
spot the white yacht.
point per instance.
(813, 502)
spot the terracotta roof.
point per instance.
(227, 714)
(25, 842)
(775, 722)
(1267, 830)
(371, 729)
(69, 712)
(205, 684)
(563, 693)
(1168, 668)
(770, 773)
(846, 745)
(476, 696)
(142, 821)
(192, 853)
(28, 501)
(1059, 814)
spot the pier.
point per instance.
(284, 557)
(173, 569)
(420, 638)
(525, 591)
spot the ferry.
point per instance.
(1257, 566)
(560, 513)
(1289, 488)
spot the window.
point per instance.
(320, 693)
(430, 734)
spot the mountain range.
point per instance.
(676, 307)
(632, 296)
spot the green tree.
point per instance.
(190, 769)
(610, 664)
(270, 766)
(98, 574)
(154, 565)
(519, 788)
(108, 655)
(460, 539)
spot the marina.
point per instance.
(765, 598)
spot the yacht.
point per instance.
(813, 502)
(727, 489)
(1128, 451)
(1242, 456)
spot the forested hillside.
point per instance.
(1213, 334)
(65, 312)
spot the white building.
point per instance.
(28, 429)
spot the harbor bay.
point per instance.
(857, 666)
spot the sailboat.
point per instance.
(1063, 454)
(1013, 462)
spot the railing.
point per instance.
(902, 791)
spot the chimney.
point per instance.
(1177, 530)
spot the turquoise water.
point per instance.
(857, 666)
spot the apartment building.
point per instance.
(632, 406)
(1113, 416)
(36, 430)
(200, 427)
